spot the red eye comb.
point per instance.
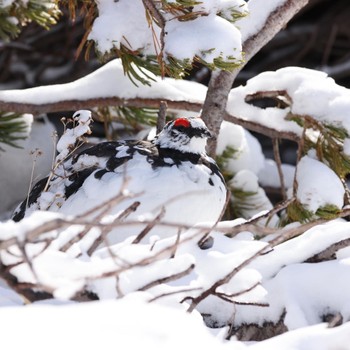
(182, 122)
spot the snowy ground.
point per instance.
(281, 280)
(131, 323)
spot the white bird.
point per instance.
(171, 173)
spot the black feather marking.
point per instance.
(77, 179)
(114, 162)
(101, 150)
(33, 197)
(98, 175)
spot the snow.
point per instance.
(123, 23)
(199, 38)
(110, 323)
(111, 82)
(104, 325)
(256, 19)
(67, 141)
(312, 175)
(309, 338)
(312, 93)
(247, 149)
(256, 202)
(268, 175)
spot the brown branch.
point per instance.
(276, 21)
(251, 225)
(212, 289)
(330, 252)
(161, 116)
(173, 277)
(29, 291)
(72, 105)
(261, 129)
(281, 96)
(173, 292)
(149, 227)
(220, 83)
(145, 261)
(276, 152)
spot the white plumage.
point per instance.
(171, 172)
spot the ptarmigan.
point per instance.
(170, 173)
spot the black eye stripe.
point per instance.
(192, 132)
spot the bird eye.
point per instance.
(182, 122)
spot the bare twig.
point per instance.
(301, 146)
(281, 96)
(276, 152)
(330, 252)
(145, 261)
(35, 154)
(149, 227)
(161, 116)
(212, 289)
(174, 292)
(89, 103)
(251, 225)
(168, 278)
(29, 291)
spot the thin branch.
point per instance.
(252, 224)
(89, 103)
(139, 103)
(212, 289)
(281, 96)
(173, 277)
(174, 292)
(161, 116)
(276, 153)
(30, 292)
(237, 294)
(301, 146)
(330, 252)
(149, 227)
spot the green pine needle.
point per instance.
(328, 212)
(12, 129)
(20, 13)
(297, 213)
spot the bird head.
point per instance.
(184, 134)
